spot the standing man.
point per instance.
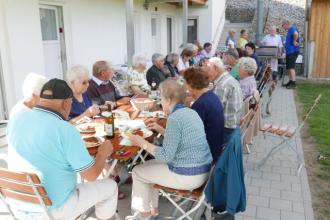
(230, 41)
(273, 39)
(292, 51)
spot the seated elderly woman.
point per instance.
(31, 88)
(77, 77)
(185, 57)
(171, 65)
(136, 76)
(155, 73)
(184, 160)
(250, 49)
(247, 69)
(208, 107)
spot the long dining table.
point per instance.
(131, 152)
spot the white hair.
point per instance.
(191, 47)
(76, 72)
(139, 59)
(33, 84)
(217, 62)
(249, 65)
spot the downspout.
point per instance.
(260, 20)
(184, 23)
(130, 31)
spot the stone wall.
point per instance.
(278, 10)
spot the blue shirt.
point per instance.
(289, 47)
(80, 107)
(185, 148)
(45, 144)
(209, 109)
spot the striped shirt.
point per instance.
(229, 91)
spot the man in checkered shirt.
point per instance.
(229, 92)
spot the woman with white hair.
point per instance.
(184, 160)
(77, 78)
(136, 75)
(248, 67)
(31, 88)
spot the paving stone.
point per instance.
(290, 178)
(293, 196)
(258, 201)
(291, 216)
(281, 170)
(267, 213)
(251, 211)
(271, 176)
(280, 204)
(281, 185)
(298, 207)
(252, 190)
(269, 192)
(260, 182)
(296, 187)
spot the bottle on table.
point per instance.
(109, 125)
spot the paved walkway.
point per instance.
(274, 191)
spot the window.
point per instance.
(48, 24)
(153, 27)
(169, 35)
(192, 30)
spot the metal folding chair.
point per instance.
(286, 135)
(196, 197)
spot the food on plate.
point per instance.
(141, 132)
(87, 130)
(91, 142)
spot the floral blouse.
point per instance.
(138, 79)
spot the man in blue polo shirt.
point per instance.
(43, 142)
(292, 51)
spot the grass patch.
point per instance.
(319, 121)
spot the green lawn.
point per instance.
(319, 122)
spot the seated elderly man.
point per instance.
(77, 77)
(31, 88)
(247, 69)
(101, 90)
(53, 149)
(155, 74)
(137, 77)
(230, 59)
(229, 92)
(171, 65)
(206, 52)
(184, 160)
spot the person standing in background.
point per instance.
(292, 48)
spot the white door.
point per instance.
(155, 34)
(51, 41)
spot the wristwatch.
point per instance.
(144, 146)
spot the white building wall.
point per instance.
(21, 44)
(93, 30)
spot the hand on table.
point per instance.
(123, 101)
(93, 110)
(105, 149)
(137, 140)
(156, 127)
(112, 104)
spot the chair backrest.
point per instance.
(23, 186)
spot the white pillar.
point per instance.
(130, 31)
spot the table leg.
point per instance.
(113, 165)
